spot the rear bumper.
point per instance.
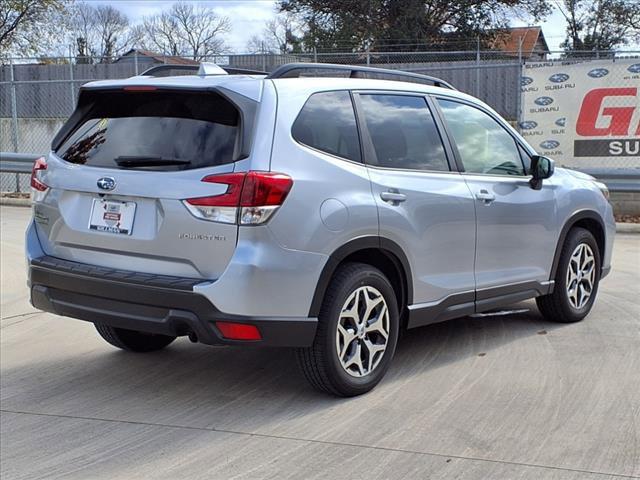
(149, 303)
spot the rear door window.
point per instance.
(327, 122)
(157, 130)
(403, 133)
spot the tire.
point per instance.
(567, 305)
(131, 340)
(321, 364)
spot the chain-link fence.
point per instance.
(37, 97)
(14, 183)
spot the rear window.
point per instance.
(157, 130)
(327, 122)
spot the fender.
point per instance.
(571, 221)
(392, 250)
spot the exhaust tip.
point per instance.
(193, 337)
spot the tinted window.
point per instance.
(327, 122)
(403, 132)
(484, 145)
(155, 130)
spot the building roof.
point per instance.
(160, 57)
(532, 37)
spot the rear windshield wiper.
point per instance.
(148, 161)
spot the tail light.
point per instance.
(39, 166)
(251, 198)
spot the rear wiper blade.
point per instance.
(148, 161)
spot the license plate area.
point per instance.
(112, 216)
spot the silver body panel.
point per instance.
(273, 270)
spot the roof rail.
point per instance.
(293, 70)
(196, 68)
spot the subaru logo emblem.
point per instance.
(559, 78)
(598, 73)
(549, 144)
(543, 101)
(528, 125)
(106, 183)
(524, 81)
(635, 68)
(561, 122)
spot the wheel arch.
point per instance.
(589, 220)
(379, 252)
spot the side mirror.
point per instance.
(541, 168)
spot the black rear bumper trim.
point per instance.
(150, 308)
(127, 276)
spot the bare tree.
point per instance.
(201, 29)
(257, 44)
(99, 32)
(186, 29)
(80, 22)
(160, 33)
(281, 31)
(278, 36)
(114, 34)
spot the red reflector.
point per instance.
(262, 189)
(140, 88)
(239, 331)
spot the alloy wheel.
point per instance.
(581, 276)
(363, 331)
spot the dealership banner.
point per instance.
(583, 114)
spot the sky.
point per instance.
(249, 16)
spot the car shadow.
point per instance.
(227, 387)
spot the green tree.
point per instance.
(25, 23)
(406, 24)
(600, 24)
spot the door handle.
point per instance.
(393, 197)
(485, 196)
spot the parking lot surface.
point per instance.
(493, 397)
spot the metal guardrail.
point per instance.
(617, 179)
(17, 162)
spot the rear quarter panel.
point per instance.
(331, 201)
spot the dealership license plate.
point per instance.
(111, 216)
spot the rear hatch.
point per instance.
(121, 170)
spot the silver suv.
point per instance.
(320, 207)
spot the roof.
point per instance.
(250, 86)
(509, 41)
(160, 57)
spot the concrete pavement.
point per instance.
(494, 397)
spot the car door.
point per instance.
(424, 206)
(516, 226)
